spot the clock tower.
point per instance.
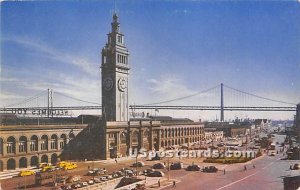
(115, 71)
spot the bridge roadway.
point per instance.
(145, 107)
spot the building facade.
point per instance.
(27, 146)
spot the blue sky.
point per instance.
(176, 48)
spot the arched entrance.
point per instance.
(53, 158)
(23, 162)
(44, 159)
(34, 161)
(11, 164)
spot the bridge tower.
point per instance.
(115, 72)
(222, 103)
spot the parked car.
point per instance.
(97, 180)
(176, 166)
(193, 168)
(103, 179)
(91, 182)
(66, 187)
(74, 178)
(41, 165)
(26, 173)
(159, 166)
(61, 164)
(96, 171)
(76, 186)
(210, 169)
(128, 172)
(47, 168)
(138, 164)
(147, 171)
(156, 174)
(70, 166)
(117, 174)
(84, 184)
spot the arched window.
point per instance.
(11, 145)
(22, 144)
(34, 143)
(44, 142)
(62, 144)
(54, 141)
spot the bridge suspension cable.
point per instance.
(29, 99)
(77, 99)
(261, 97)
(181, 98)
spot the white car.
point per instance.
(108, 177)
(103, 178)
(91, 182)
(84, 184)
(97, 180)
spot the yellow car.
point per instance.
(42, 165)
(62, 164)
(26, 173)
(70, 166)
(47, 168)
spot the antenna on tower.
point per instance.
(114, 10)
(115, 6)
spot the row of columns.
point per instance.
(129, 143)
(169, 132)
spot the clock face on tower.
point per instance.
(108, 83)
(122, 84)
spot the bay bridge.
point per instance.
(240, 101)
